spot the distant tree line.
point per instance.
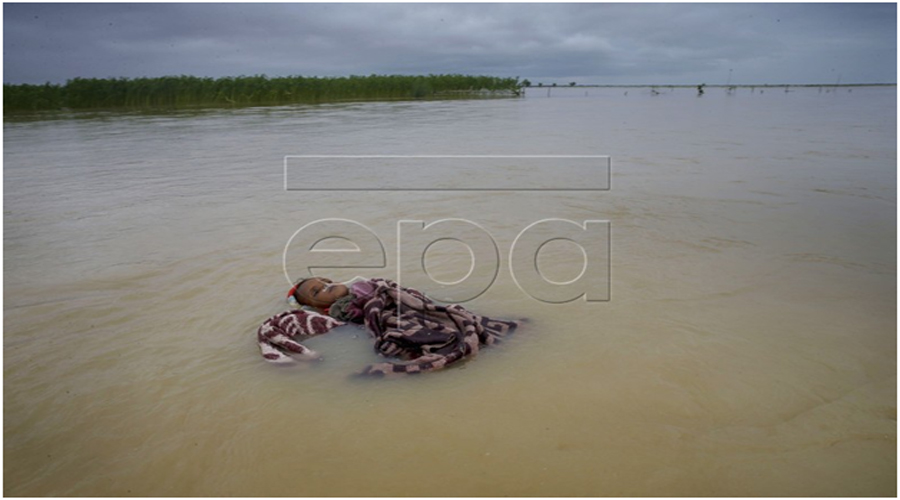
(191, 91)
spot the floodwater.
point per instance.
(748, 347)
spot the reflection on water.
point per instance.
(748, 347)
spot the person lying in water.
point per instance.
(405, 324)
(322, 294)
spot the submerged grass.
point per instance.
(191, 91)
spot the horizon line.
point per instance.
(519, 79)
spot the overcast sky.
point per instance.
(587, 43)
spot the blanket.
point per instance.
(418, 334)
(426, 336)
(276, 336)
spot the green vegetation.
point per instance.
(192, 91)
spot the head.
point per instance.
(318, 292)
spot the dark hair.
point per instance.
(296, 288)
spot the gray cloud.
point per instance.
(591, 43)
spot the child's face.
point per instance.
(320, 292)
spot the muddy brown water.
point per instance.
(748, 346)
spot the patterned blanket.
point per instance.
(276, 335)
(405, 324)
